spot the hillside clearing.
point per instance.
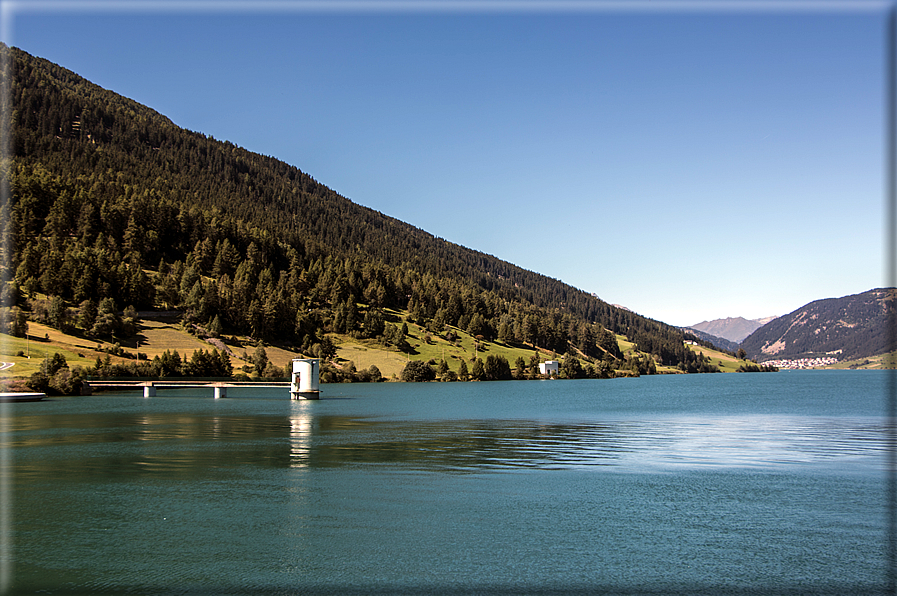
(160, 332)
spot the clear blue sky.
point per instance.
(691, 163)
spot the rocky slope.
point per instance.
(849, 327)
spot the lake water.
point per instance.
(698, 484)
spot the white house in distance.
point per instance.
(549, 366)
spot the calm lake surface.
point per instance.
(698, 484)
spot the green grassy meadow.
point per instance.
(427, 346)
(881, 362)
(159, 333)
(725, 362)
(42, 342)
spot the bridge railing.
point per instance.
(186, 379)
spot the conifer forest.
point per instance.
(114, 210)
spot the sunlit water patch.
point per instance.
(762, 442)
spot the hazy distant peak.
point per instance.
(732, 328)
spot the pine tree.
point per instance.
(571, 367)
(215, 327)
(520, 368)
(478, 372)
(224, 366)
(108, 321)
(260, 360)
(505, 328)
(134, 237)
(188, 280)
(463, 373)
(59, 316)
(170, 364)
(418, 371)
(496, 368)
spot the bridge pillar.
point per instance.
(149, 391)
(220, 392)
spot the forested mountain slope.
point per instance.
(720, 342)
(851, 327)
(112, 200)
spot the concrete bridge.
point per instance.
(150, 387)
(303, 383)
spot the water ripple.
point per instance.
(507, 444)
(188, 445)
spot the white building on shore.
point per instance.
(549, 366)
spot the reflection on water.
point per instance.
(192, 443)
(301, 420)
(508, 444)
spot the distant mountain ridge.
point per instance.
(852, 327)
(733, 329)
(719, 342)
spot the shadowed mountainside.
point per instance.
(850, 327)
